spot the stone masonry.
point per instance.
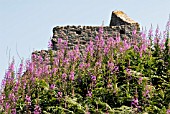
(120, 18)
(120, 24)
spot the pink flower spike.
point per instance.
(11, 67)
(64, 76)
(101, 30)
(93, 78)
(37, 109)
(13, 111)
(168, 111)
(150, 32)
(140, 80)
(157, 31)
(72, 75)
(89, 93)
(52, 86)
(59, 94)
(50, 45)
(59, 40)
(135, 102)
(28, 99)
(81, 66)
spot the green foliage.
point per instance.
(122, 81)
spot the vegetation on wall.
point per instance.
(109, 76)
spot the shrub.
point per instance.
(108, 76)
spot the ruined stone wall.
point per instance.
(120, 24)
(83, 34)
(120, 18)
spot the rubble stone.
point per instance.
(120, 23)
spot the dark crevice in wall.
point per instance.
(78, 32)
(122, 31)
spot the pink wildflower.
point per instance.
(28, 100)
(64, 76)
(13, 111)
(52, 86)
(101, 30)
(89, 93)
(140, 80)
(37, 109)
(20, 69)
(90, 48)
(110, 65)
(128, 71)
(87, 65)
(135, 102)
(72, 75)
(106, 50)
(93, 78)
(168, 111)
(50, 45)
(7, 106)
(150, 32)
(81, 66)
(12, 97)
(59, 94)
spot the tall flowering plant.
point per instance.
(111, 75)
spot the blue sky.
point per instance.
(26, 25)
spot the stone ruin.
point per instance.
(120, 24)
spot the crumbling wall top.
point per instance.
(123, 16)
(120, 24)
(120, 18)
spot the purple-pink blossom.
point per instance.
(126, 45)
(101, 30)
(2, 97)
(90, 48)
(135, 102)
(136, 48)
(20, 69)
(64, 76)
(87, 65)
(50, 45)
(28, 100)
(93, 78)
(59, 94)
(13, 111)
(11, 67)
(81, 66)
(168, 111)
(140, 80)
(37, 109)
(147, 91)
(110, 65)
(106, 50)
(7, 106)
(116, 68)
(52, 86)
(12, 97)
(89, 93)
(150, 32)
(128, 71)
(72, 75)
(59, 40)
(98, 64)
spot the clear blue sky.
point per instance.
(26, 25)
